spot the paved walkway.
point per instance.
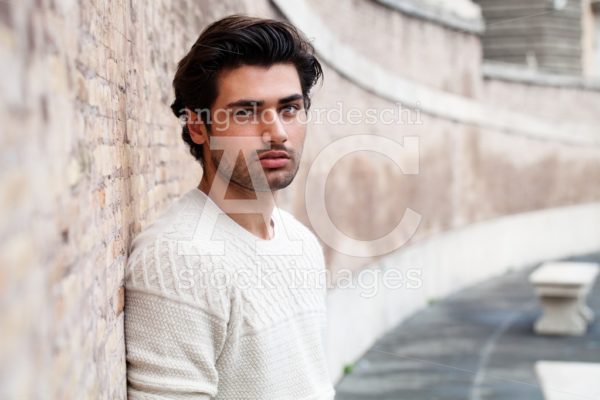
(475, 345)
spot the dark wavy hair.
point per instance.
(231, 42)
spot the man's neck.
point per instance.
(247, 208)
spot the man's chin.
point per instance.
(280, 186)
(274, 185)
(276, 179)
(277, 183)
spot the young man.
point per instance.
(221, 296)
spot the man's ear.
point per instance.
(196, 127)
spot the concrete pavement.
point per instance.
(477, 344)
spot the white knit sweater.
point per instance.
(246, 323)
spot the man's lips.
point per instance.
(274, 154)
(274, 159)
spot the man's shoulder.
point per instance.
(293, 222)
(157, 268)
(297, 230)
(157, 265)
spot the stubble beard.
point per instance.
(243, 176)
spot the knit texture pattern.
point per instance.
(245, 322)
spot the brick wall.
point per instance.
(90, 153)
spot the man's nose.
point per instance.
(273, 128)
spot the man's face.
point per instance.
(264, 107)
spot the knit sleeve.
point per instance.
(175, 329)
(172, 348)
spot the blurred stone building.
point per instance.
(560, 36)
(506, 106)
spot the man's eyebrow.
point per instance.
(246, 103)
(258, 103)
(288, 99)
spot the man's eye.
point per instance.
(292, 108)
(242, 112)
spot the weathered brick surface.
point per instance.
(90, 153)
